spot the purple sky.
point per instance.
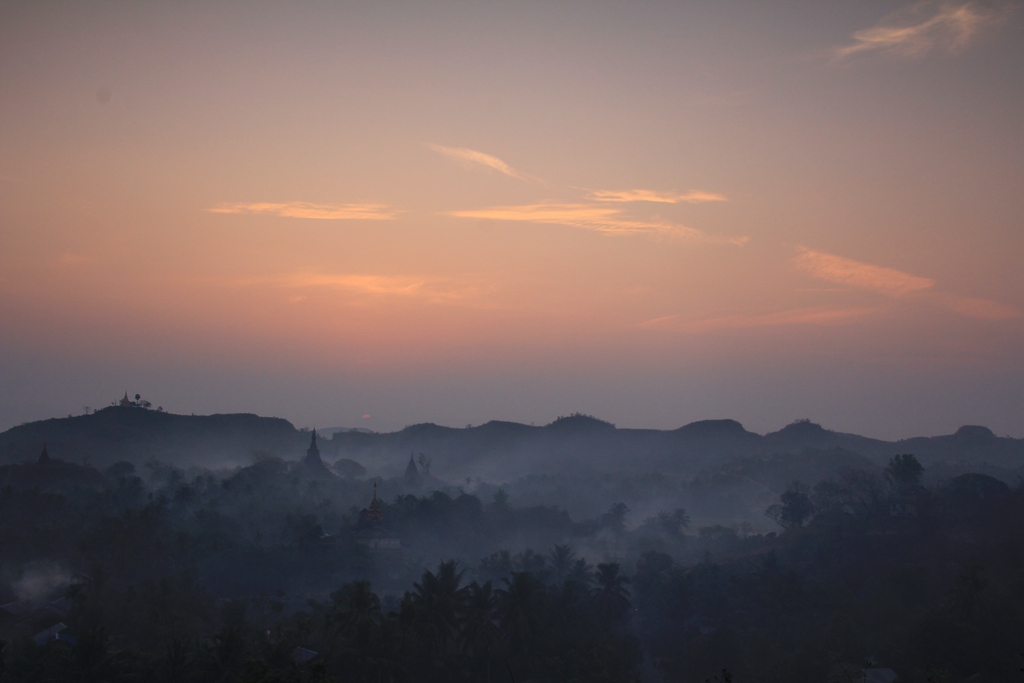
(395, 213)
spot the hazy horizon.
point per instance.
(393, 214)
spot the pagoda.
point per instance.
(313, 465)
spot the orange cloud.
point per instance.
(426, 289)
(323, 212)
(472, 156)
(897, 284)
(691, 197)
(860, 275)
(950, 27)
(596, 217)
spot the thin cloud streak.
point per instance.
(323, 212)
(598, 218)
(860, 275)
(691, 197)
(973, 307)
(430, 290)
(950, 28)
(897, 285)
(472, 156)
(800, 316)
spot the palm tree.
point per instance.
(479, 631)
(561, 558)
(519, 611)
(611, 596)
(582, 573)
(355, 613)
(436, 602)
(354, 604)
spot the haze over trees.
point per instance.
(789, 566)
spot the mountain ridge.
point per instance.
(496, 450)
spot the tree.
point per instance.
(611, 595)
(582, 572)
(794, 507)
(519, 611)
(348, 468)
(355, 604)
(436, 602)
(673, 523)
(615, 518)
(561, 558)
(479, 630)
(904, 472)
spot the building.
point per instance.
(372, 530)
(312, 465)
(412, 473)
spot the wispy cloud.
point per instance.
(597, 217)
(323, 212)
(473, 157)
(799, 316)
(973, 307)
(919, 30)
(897, 284)
(432, 290)
(859, 275)
(691, 197)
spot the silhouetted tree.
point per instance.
(794, 509)
(904, 472)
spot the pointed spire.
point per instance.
(312, 441)
(44, 457)
(375, 512)
(412, 473)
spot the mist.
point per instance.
(137, 530)
(511, 342)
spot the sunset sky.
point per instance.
(378, 214)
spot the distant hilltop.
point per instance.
(136, 434)
(495, 451)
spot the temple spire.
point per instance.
(412, 473)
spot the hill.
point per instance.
(496, 451)
(579, 444)
(138, 435)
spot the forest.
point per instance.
(272, 572)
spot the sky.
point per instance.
(379, 214)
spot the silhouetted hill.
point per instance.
(581, 444)
(803, 434)
(51, 475)
(138, 435)
(495, 451)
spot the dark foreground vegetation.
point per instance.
(266, 573)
